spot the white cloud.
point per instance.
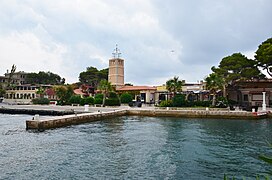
(66, 36)
(29, 53)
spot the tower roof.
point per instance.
(116, 52)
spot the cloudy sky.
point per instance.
(158, 38)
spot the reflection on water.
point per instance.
(135, 148)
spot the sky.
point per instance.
(158, 39)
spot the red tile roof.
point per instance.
(136, 88)
(79, 92)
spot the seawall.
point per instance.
(35, 111)
(198, 114)
(56, 122)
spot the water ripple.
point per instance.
(134, 148)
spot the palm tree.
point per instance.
(174, 85)
(105, 87)
(214, 83)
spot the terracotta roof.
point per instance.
(79, 92)
(136, 88)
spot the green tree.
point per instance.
(105, 87)
(64, 93)
(44, 78)
(237, 67)
(92, 76)
(264, 56)
(213, 84)
(174, 85)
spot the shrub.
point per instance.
(202, 103)
(82, 102)
(76, 99)
(89, 100)
(112, 102)
(179, 100)
(113, 95)
(126, 98)
(40, 101)
(98, 101)
(98, 96)
(166, 103)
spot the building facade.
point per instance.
(250, 93)
(146, 93)
(18, 77)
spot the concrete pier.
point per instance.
(67, 120)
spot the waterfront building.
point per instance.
(3, 79)
(18, 77)
(116, 69)
(23, 94)
(156, 94)
(250, 93)
(84, 91)
(147, 93)
(192, 91)
(195, 91)
(162, 94)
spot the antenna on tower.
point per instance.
(116, 52)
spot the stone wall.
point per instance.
(196, 114)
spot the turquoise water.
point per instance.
(135, 148)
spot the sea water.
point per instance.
(132, 147)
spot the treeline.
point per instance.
(92, 76)
(237, 67)
(44, 78)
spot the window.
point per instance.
(245, 97)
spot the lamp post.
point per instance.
(264, 104)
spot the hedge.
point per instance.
(40, 101)
(126, 98)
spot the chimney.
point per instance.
(7, 71)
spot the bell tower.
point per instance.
(116, 69)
